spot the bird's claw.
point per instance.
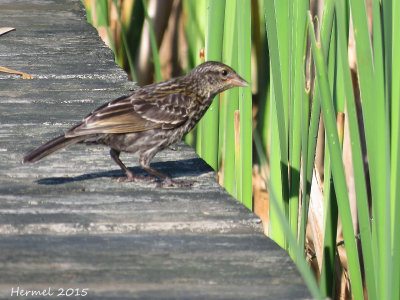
(135, 178)
(167, 182)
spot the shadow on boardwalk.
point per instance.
(188, 167)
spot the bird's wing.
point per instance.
(169, 111)
(130, 114)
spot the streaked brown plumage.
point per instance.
(150, 119)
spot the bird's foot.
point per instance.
(135, 178)
(168, 182)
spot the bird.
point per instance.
(149, 119)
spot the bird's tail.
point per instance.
(50, 147)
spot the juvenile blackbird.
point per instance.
(148, 120)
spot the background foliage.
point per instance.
(313, 146)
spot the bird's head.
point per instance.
(214, 77)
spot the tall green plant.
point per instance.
(333, 83)
(279, 151)
(337, 166)
(228, 39)
(229, 102)
(245, 103)
(214, 42)
(291, 121)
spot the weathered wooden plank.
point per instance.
(66, 224)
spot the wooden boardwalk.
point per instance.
(67, 227)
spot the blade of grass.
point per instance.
(263, 80)
(330, 226)
(275, 59)
(326, 30)
(357, 156)
(194, 31)
(395, 104)
(245, 102)
(299, 38)
(279, 150)
(230, 99)
(396, 237)
(373, 103)
(337, 166)
(210, 121)
(395, 150)
(261, 98)
(382, 65)
(275, 230)
(305, 121)
(330, 205)
(236, 117)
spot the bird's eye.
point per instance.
(224, 73)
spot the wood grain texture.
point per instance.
(64, 221)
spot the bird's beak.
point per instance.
(236, 80)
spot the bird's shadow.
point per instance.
(187, 167)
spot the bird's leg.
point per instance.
(129, 175)
(166, 181)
